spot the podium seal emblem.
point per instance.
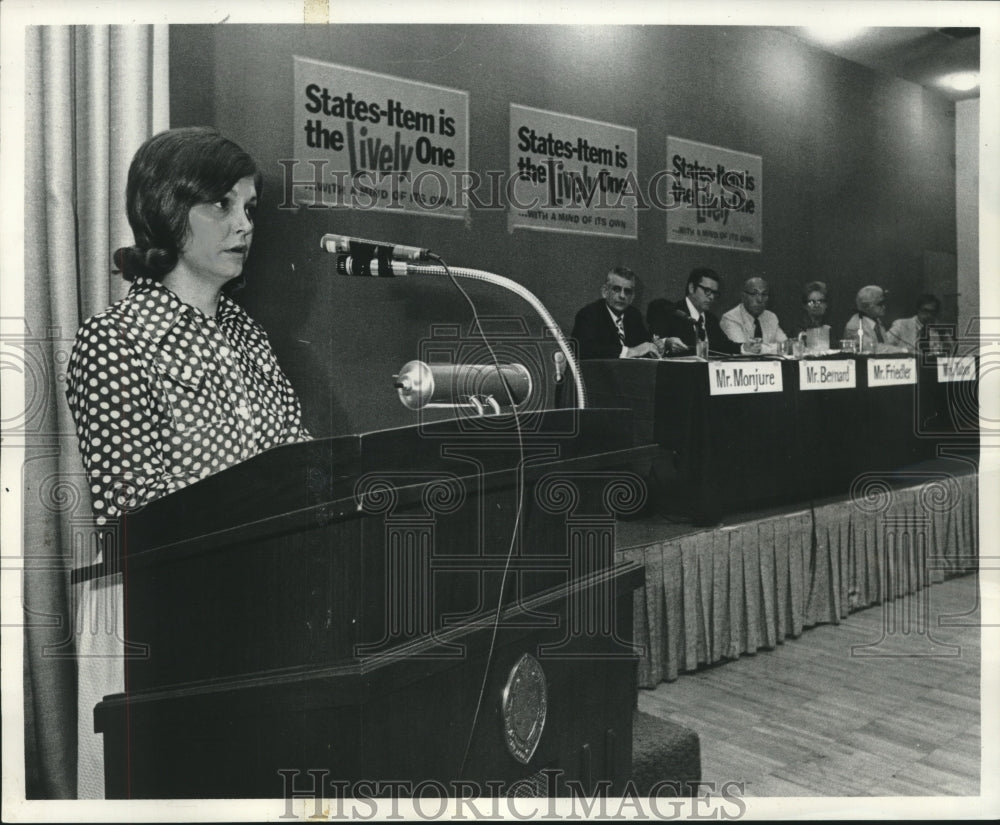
(525, 705)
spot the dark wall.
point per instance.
(858, 179)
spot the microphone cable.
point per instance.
(517, 517)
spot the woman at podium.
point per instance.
(175, 381)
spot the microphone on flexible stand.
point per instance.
(372, 259)
(358, 256)
(560, 362)
(345, 244)
(680, 313)
(378, 267)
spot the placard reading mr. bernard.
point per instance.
(365, 140)
(744, 377)
(827, 375)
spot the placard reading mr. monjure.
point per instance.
(744, 377)
(372, 141)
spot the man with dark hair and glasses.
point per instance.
(689, 320)
(751, 319)
(922, 331)
(611, 327)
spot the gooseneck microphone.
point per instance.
(560, 362)
(359, 247)
(372, 259)
(358, 256)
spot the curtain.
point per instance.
(93, 94)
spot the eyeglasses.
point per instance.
(815, 302)
(757, 294)
(708, 290)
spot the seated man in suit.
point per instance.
(689, 320)
(870, 302)
(920, 332)
(752, 319)
(611, 327)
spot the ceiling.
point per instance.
(921, 55)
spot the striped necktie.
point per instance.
(620, 324)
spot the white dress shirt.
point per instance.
(738, 326)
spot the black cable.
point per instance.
(517, 516)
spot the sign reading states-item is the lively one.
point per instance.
(713, 196)
(371, 141)
(744, 377)
(571, 174)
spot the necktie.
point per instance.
(878, 333)
(757, 331)
(701, 328)
(620, 324)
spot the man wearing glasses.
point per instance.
(751, 320)
(921, 332)
(611, 327)
(870, 302)
(689, 320)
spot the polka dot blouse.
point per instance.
(163, 395)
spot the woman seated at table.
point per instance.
(175, 381)
(812, 321)
(814, 307)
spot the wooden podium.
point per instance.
(393, 613)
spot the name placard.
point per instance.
(827, 375)
(889, 372)
(956, 369)
(744, 377)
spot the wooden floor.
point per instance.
(819, 717)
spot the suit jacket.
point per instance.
(597, 336)
(670, 320)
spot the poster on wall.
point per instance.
(571, 174)
(715, 196)
(365, 140)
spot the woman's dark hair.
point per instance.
(813, 286)
(172, 172)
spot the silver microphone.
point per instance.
(350, 265)
(560, 362)
(345, 244)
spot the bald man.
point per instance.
(751, 318)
